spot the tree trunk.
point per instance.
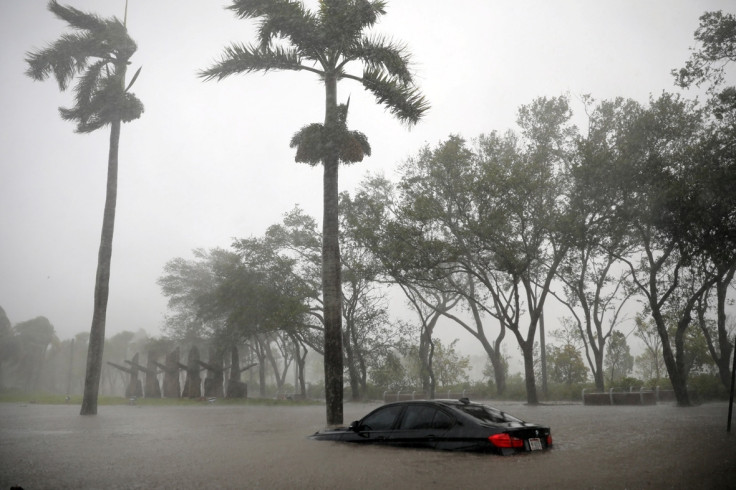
(425, 365)
(499, 371)
(353, 376)
(331, 280)
(301, 361)
(261, 355)
(724, 344)
(527, 349)
(102, 282)
(277, 374)
(600, 383)
(679, 382)
(363, 370)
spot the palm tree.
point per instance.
(99, 51)
(324, 42)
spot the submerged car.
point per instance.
(455, 425)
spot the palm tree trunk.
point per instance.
(102, 283)
(331, 280)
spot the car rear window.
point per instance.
(487, 414)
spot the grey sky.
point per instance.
(210, 161)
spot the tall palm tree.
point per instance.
(99, 51)
(324, 42)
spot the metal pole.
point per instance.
(543, 353)
(733, 376)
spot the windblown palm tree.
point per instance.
(99, 51)
(324, 42)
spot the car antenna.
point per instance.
(465, 400)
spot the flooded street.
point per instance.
(213, 446)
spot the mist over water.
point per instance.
(215, 446)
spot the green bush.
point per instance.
(707, 387)
(627, 384)
(567, 392)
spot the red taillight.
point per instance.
(549, 439)
(505, 440)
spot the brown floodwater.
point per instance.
(219, 446)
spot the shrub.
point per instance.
(707, 387)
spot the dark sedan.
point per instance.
(456, 425)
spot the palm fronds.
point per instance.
(98, 51)
(63, 59)
(241, 58)
(83, 21)
(379, 53)
(344, 21)
(403, 101)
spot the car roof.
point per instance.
(438, 401)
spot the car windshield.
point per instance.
(487, 414)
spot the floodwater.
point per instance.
(211, 446)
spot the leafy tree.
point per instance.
(486, 223)
(429, 305)
(388, 373)
(703, 221)
(5, 324)
(373, 218)
(265, 292)
(325, 43)
(522, 217)
(449, 366)
(711, 202)
(650, 363)
(474, 304)
(34, 338)
(191, 287)
(249, 294)
(99, 50)
(652, 190)
(619, 361)
(716, 37)
(8, 345)
(716, 333)
(566, 365)
(595, 287)
(367, 331)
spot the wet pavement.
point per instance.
(253, 446)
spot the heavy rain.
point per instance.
(229, 226)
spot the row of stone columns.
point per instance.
(213, 382)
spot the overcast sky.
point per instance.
(209, 161)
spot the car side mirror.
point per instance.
(354, 426)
